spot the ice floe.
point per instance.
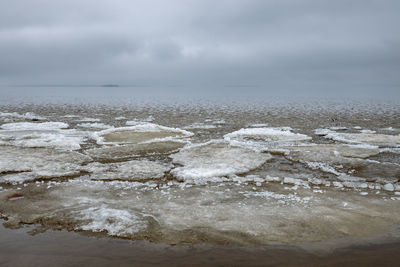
(213, 159)
(200, 125)
(218, 214)
(122, 152)
(34, 126)
(38, 163)
(138, 134)
(95, 125)
(134, 170)
(360, 138)
(330, 152)
(45, 134)
(116, 222)
(265, 138)
(140, 121)
(339, 159)
(259, 125)
(90, 120)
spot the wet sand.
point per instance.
(61, 248)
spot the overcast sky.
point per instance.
(272, 44)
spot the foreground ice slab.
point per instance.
(218, 214)
(22, 164)
(134, 170)
(215, 159)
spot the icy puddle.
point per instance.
(247, 180)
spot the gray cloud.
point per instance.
(285, 44)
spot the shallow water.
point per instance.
(246, 174)
(60, 248)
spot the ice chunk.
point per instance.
(388, 187)
(200, 125)
(141, 133)
(360, 138)
(322, 132)
(338, 128)
(32, 126)
(339, 159)
(136, 150)
(264, 138)
(95, 125)
(38, 163)
(330, 152)
(140, 121)
(90, 120)
(322, 166)
(116, 222)
(259, 125)
(135, 170)
(120, 118)
(367, 131)
(389, 129)
(215, 159)
(65, 140)
(46, 134)
(294, 181)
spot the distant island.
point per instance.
(110, 85)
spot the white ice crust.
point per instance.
(116, 222)
(33, 126)
(214, 159)
(265, 138)
(95, 125)
(365, 137)
(142, 130)
(27, 115)
(131, 170)
(38, 163)
(200, 125)
(45, 134)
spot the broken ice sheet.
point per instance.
(218, 214)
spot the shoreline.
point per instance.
(62, 248)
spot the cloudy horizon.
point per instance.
(285, 45)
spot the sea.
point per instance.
(176, 176)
